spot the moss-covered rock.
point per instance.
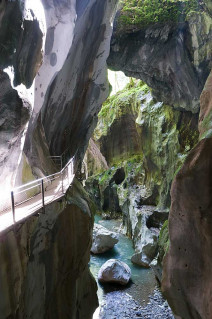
(163, 246)
(208, 4)
(120, 109)
(163, 242)
(136, 14)
(149, 139)
(168, 45)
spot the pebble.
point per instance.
(120, 305)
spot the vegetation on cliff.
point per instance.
(119, 104)
(148, 139)
(163, 242)
(144, 143)
(143, 13)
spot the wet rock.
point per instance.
(103, 239)
(114, 271)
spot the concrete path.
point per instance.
(30, 206)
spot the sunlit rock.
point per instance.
(103, 239)
(14, 116)
(114, 271)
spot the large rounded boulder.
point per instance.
(103, 239)
(114, 271)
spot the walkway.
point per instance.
(29, 198)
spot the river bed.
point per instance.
(141, 298)
(143, 280)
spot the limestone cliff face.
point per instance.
(14, 114)
(174, 59)
(144, 143)
(44, 263)
(17, 53)
(71, 82)
(187, 284)
(92, 166)
(76, 93)
(53, 81)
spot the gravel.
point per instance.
(120, 305)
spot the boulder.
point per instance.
(103, 239)
(114, 271)
(147, 249)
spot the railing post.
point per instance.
(62, 180)
(42, 192)
(13, 206)
(68, 174)
(61, 162)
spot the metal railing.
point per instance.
(41, 190)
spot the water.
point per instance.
(143, 280)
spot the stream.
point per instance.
(143, 280)
(141, 298)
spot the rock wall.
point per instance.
(144, 143)
(174, 59)
(187, 284)
(80, 87)
(53, 80)
(15, 114)
(44, 263)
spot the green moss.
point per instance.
(142, 13)
(118, 105)
(163, 242)
(106, 176)
(133, 165)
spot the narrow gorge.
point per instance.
(105, 159)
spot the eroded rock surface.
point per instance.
(173, 59)
(81, 86)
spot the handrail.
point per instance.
(59, 181)
(67, 164)
(37, 180)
